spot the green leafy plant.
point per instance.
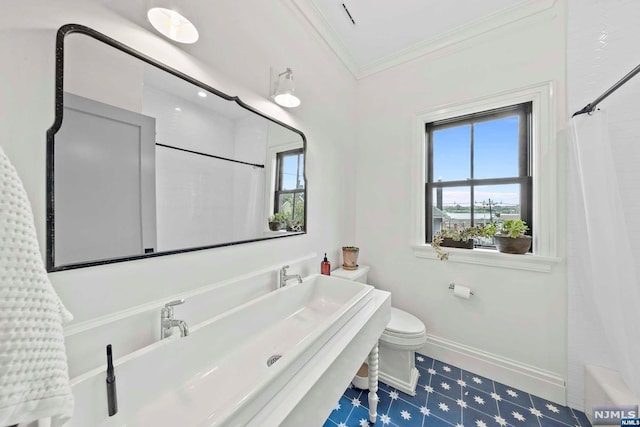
(513, 228)
(294, 225)
(278, 217)
(488, 230)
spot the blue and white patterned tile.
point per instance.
(422, 393)
(480, 401)
(550, 422)
(329, 423)
(553, 410)
(404, 414)
(425, 375)
(446, 386)
(359, 417)
(434, 421)
(352, 392)
(447, 370)
(467, 400)
(513, 395)
(471, 417)
(477, 381)
(384, 400)
(517, 415)
(423, 361)
(582, 418)
(445, 408)
(341, 410)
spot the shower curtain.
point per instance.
(609, 285)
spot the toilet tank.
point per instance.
(359, 275)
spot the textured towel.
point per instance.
(34, 378)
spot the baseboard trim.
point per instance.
(536, 381)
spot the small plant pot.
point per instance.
(510, 245)
(275, 225)
(350, 257)
(448, 242)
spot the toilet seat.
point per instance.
(404, 323)
(404, 330)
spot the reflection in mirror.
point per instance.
(144, 161)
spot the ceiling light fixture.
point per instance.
(171, 24)
(202, 94)
(283, 90)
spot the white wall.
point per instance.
(518, 316)
(194, 194)
(602, 47)
(250, 141)
(240, 66)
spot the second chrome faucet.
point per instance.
(284, 277)
(167, 322)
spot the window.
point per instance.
(289, 189)
(479, 170)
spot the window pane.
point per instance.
(497, 202)
(495, 148)
(451, 208)
(289, 172)
(301, 173)
(285, 204)
(452, 153)
(298, 213)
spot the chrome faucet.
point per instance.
(284, 277)
(167, 322)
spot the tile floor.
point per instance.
(449, 396)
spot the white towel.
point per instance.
(34, 377)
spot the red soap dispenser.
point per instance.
(325, 266)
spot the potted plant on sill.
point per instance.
(294, 225)
(511, 238)
(460, 238)
(277, 221)
(350, 257)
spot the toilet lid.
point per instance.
(404, 323)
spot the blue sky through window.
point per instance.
(495, 156)
(291, 180)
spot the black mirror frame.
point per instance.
(50, 187)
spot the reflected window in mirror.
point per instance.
(290, 191)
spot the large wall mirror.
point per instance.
(143, 160)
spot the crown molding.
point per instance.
(319, 22)
(312, 14)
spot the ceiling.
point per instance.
(388, 33)
(383, 28)
(385, 33)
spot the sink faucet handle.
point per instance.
(175, 302)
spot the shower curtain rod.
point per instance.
(209, 155)
(590, 107)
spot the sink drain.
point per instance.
(273, 359)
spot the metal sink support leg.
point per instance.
(373, 384)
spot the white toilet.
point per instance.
(403, 335)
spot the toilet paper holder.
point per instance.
(452, 286)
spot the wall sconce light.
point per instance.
(282, 89)
(173, 25)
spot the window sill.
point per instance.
(490, 258)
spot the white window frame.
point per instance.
(544, 171)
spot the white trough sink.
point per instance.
(219, 375)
